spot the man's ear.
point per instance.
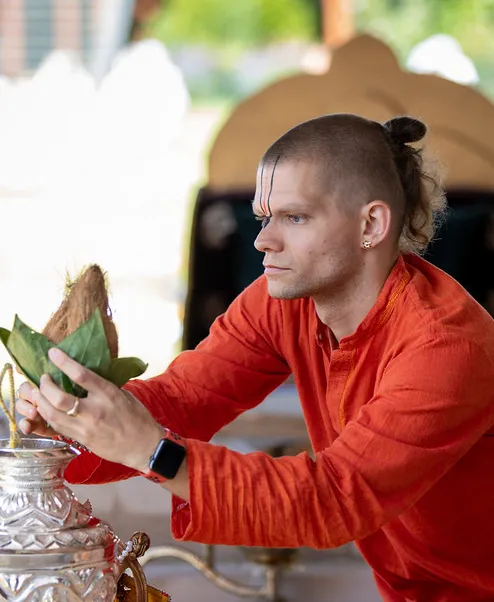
(376, 222)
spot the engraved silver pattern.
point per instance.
(51, 547)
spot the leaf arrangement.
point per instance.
(87, 345)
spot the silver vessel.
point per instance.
(51, 547)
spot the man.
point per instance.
(393, 362)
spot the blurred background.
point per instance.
(108, 112)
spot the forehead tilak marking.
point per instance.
(271, 187)
(261, 195)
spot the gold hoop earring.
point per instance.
(366, 244)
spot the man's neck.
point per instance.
(343, 313)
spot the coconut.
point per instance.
(83, 296)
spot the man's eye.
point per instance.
(296, 219)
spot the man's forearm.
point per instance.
(179, 486)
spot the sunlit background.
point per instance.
(107, 108)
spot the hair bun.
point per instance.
(405, 129)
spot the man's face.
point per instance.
(311, 246)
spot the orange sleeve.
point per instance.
(434, 402)
(229, 372)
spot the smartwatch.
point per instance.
(167, 458)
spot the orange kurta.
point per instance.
(400, 416)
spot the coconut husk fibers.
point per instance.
(82, 296)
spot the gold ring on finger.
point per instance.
(74, 410)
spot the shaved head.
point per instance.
(358, 161)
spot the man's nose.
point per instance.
(267, 239)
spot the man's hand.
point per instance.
(32, 423)
(109, 422)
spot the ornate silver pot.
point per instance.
(51, 548)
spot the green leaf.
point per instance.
(88, 345)
(68, 386)
(122, 369)
(29, 350)
(4, 335)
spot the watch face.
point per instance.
(167, 458)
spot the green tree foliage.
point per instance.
(404, 23)
(232, 26)
(240, 23)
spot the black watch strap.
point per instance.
(165, 462)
